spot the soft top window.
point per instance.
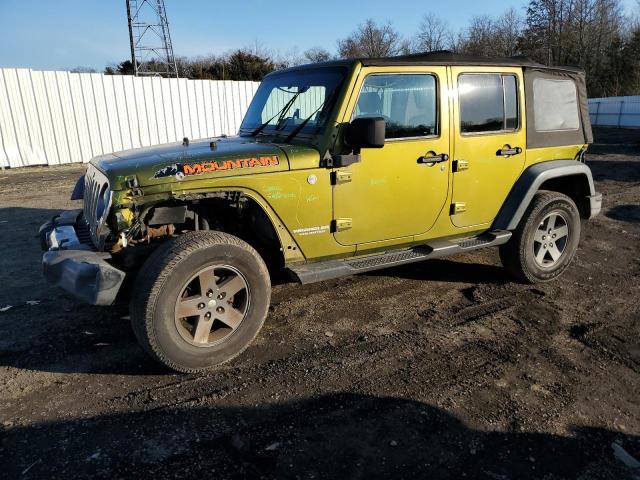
(557, 108)
(555, 104)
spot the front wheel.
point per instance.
(546, 239)
(200, 300)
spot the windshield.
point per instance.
(289, 100)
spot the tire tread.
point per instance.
(513, 253)
(155, 273)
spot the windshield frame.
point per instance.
(333, 95)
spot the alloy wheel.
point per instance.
(212, 305)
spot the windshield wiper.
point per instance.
(299, 128)
(280, 113)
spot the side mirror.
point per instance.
(366, 132)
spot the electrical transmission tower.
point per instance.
(151, 49)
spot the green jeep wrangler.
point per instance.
(339, 168)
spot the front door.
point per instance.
(489, 141)
(394, 192)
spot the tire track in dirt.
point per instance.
(380, 359)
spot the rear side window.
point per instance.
(407, 102)
(555, 105)
(488, 102)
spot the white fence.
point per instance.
(52, 118)
(615, 111)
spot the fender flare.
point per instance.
(529, 183)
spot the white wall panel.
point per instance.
(52, 118)
(615, 111)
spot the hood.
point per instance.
(221, 157)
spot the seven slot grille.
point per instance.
(97, 200)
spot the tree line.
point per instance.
(593, 34)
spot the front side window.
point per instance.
(285, 101)
(406, 102)
(488, 102)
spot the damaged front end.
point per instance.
(90, 252)
(74, 241)
(84, 249)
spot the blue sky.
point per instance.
(59, 34)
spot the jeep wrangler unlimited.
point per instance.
(338, 168)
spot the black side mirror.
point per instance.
(366, 132)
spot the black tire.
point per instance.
(161, 282)
(521, 255)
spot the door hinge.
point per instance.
(460, 165)
(340, 177)
(458, 207)
(340, 224)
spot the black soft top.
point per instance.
(454, 59)
(444, 58)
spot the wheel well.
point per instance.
(574, 186)
(241, 216)
(231, 212)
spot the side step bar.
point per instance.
(320, 271)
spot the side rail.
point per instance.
(570, 177)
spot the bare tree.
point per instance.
(487, 36)
(317, 54)
(509, 30)
(81, 69)
(480, 37)
(289, 58)
(372, 40)
(433, 34)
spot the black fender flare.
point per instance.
(529, 183)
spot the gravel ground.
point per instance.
(444, 369)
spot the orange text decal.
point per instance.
(180, 170)
(205, 167)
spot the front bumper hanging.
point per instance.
(69, 262)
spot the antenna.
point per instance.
(151, 48)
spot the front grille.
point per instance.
(96, 206)
(84, 233)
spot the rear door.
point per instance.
(489, 141)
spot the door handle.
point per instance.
(432, 158)
(503, 152)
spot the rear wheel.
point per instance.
(200, 300)
(546, 239)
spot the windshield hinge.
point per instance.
(335, 161)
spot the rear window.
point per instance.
(488, 102)
(555, 105)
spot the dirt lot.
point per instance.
(444, 369)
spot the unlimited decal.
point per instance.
(181, 170)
